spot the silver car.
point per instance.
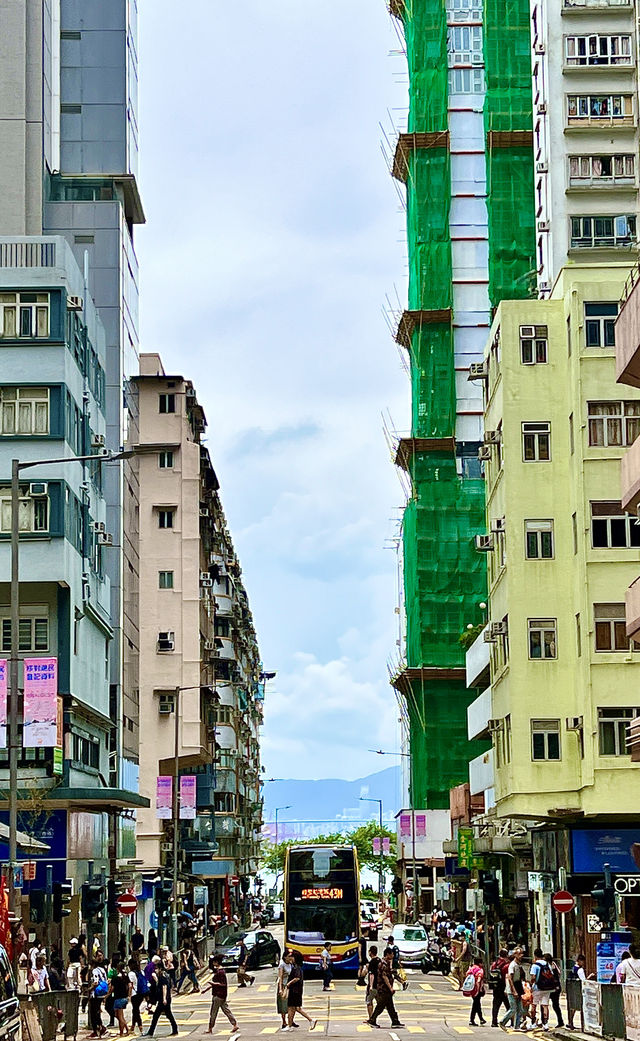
(412, 942)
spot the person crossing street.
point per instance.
(385, 988)
(219, 991)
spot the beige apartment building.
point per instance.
(201, 686)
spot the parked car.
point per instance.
(412, 942)
(368, 925)
(262, 947)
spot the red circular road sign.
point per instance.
(126, 903)
(563, 901)
(234, 880)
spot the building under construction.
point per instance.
(466, 161)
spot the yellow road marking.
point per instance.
(363, 1028)
(270, 1030)
(416, 1030)
(463, 1030)
(263, 987)
(426, 986)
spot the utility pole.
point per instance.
(380, 857)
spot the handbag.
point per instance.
(101, 989)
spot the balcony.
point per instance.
(477, 662)
(478, 715)
(481, 773)
(630, 478)
(628, 334)
(632, 604)
(599, 6)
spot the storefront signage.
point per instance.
(465, 847)
(592, 848)
(40, 726)
(627, 885)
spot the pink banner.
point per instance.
(40, 729)
(3, 702)
(421, 824)
(405, 825)
(376, 847)
(188, 797)
(386, 846)
(164, 798)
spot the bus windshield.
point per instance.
(322, 895)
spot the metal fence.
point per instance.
(56, 1010)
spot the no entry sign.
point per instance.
(562, 901)
(126, 903)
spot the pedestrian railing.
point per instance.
(606, 1009)
(56, 1010)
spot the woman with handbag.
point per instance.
(98, 989)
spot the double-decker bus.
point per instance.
(322, 902)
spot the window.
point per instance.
(607, 108)
(24, 410)
(601, 170)
(33, 633)
(33, 513)
(222, 714)
(466, 81)
(533, 344)
(542, 638)
(24, 315)
(574, 531)
(598, 50)
(611, 627)
(600, 324)
(612, 729)
(464, 10)
(536, 442)
(572, 446)
(600, 232)
(165, 518)
(165, 579)
(166, 403)
(538, 539)
(86, 751)
(464, 44)
(545, 739)
(613, 424)
(165, 460)
(612, 528)
(578, 636)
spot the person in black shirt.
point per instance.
(163, 1008)
(371, 995)
(137, 942)
(120, 989)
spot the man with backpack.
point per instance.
(498, 983)
(542, 983)
(514, 992)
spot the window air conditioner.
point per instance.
(484, 543)
(542, 109)
(209, 645)
(37, 489)
(165, 708)
(542, 168)
(497, 525)
(98, 441)
(543, 225)
(484, 452)
(98, 526)
(498, 628)
(492, 437)
(488, 637)
(538, 47)
(544, 287)
(477, 371)
(204, 512)
(574, 722)
(74, 303)
(166, 641)
(166, 847)
(104, 538)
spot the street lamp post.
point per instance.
(381, 864)
(278, 808)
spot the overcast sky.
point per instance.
(273, 236)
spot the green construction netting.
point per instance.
(433, 389)
(428, 234)
(507, 55)
(444, 575)
(440, 749)
(425, 30)
(512, 230)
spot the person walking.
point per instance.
(284, 971)
(136, 946)
(325, 964)
(630, 968)
(385, 987)
(139, 988)
(557, 989)
(295, 987)
(476, 992)
(514, 991)
(188, 965)
(219, 991)
(109, 1000)
(498, 981)
(243, 961)
(163, 1007)
(461, 955)
(618, 972)
(120, 990)
(169, 964)
(152, 942)
(98, 989)
(371, 994)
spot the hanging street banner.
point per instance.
(421, 825)
(405, 825)
(386, 846)
(465, 847)
(40, 729)
(188, 797)
(164, 798)
(4, 665)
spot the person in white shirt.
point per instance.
(630, 968)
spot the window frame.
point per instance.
(542, 627)
(547, 728)
(25, 395)
(580, 162)
(163, 581)
(168, 400)
(36, 618)
(20, 305)
(604, 323)
(36, 508)
(619, 724)
(534, 346)
(624, 418)
(612, 616)
(580, 109)
(166, 515)
(538, 431)
(585, 234)
(539, 528)
(615, 515)
(166, 459)
(603, 55)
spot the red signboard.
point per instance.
(562, 901)
(126, 903)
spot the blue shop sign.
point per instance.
(592, 848)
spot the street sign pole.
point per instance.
(562, 879)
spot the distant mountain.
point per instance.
(330, 804)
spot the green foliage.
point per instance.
(362, 838)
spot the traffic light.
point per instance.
(62, 896)
(162, 899)
(112, 894)
(396, 885)
(92, 901)
(604, 901)
(490, 891)
(37, 904)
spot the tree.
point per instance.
(362, 838)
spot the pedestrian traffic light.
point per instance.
(396, 885)
(162, 897)
(490, 891)
(604, 901)
(62, 897)
(37, 903)
(92, 900)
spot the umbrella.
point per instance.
(185, 914)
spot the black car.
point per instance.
(262, 949)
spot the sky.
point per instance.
(274, 238)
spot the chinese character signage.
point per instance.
(405, 825)
(188, 797)
(164, 798)
(376, 846)
(40, 729)
(3, 703)
(421, 825)
(465, 847)
(386, 846)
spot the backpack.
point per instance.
(496, 979)
(469, 985)
(545, 980)
(143, 983)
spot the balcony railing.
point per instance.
(580, 5)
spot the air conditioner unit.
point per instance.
(205, 578)
(204, 512)
(498, 628)
(484, 452)
(166, 641)
(104, 538)
(492, 437)
(543, 225)
(544, 287)
(484, 543)
(498, 524)
(209, 645)
(478, 371)
(574, 722)
(37, 489)
(98, 526)
(542, 109)
(488, 637)
(190, 392)
(538, 47)
(98, 441)
(165, 708)
(166, 847)
(527, 332)
(75, 303)
(542, 168)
